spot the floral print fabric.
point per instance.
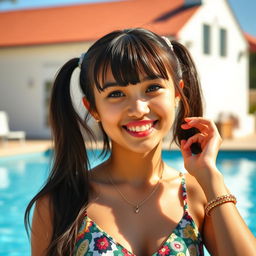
(185, 240)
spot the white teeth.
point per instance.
(140, 128)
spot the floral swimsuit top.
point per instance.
(185, 240)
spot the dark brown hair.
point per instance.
(128, 53)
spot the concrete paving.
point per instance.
(31, 146)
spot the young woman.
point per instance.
(137, 86)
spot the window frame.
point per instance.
(223, 35)
(207, 46)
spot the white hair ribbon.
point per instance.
(81, 60)
(168, 42)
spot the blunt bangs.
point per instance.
(130, 55)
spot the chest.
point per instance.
(161, 227)
(142, 233)
(184, 239)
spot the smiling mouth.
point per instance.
(140, 128)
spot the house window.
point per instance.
(206, 39)
(47, 96)
(223, 42)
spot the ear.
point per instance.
(87, 106)
(181, 85)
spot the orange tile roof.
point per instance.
(87, 22)
(252, 42)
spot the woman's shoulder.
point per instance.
(43, 213)
(196, 199)
(194, 188)
(43, 206)
(195, 193)
(41, 232)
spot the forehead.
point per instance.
(110, 81)
(128, 63)
(107, 78)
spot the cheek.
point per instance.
(109, 116)
(165, 104)
(165, 108)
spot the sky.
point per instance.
(244, 10)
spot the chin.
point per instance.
(141, 147)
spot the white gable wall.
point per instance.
(23, 72)
(224, 79)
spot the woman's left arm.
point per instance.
(225, 225)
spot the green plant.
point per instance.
(252, 108)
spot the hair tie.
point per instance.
(81, 60)
(169, 43)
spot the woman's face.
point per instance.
(138, 116)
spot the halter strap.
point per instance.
(184, 192)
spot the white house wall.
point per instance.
(23, 72)
(224, 79)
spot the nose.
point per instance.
(138, 108)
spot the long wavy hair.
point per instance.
(128, 53)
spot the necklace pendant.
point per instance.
(136, 210)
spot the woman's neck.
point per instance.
(135, 168)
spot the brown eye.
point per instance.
(116, 94)
(153, 88)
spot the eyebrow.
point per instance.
(115, 84)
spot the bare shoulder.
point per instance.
(43, 210)
(196, 200)
(194, 189)
(41, 232)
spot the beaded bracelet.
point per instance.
(219, 201)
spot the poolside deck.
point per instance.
(31, 146)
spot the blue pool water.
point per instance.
(22, 176)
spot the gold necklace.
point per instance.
(136, 207)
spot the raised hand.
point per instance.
(202, 164)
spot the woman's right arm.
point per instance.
(41, 231)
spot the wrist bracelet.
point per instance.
(219, 201)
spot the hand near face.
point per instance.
(202, 164)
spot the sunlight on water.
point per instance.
(240, 178)
(5, 182)
(22, 176)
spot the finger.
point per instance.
(202, 120)
(198, 118)
(199, 137)
(185, 152)
(201, 127)
(201, 123)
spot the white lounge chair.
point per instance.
(5, 132)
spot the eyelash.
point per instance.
(114, 94)
(119, 94)
(155, 87)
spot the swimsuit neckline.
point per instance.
(171, 242)
(131, 253)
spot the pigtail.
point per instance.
(191, 95)
(67, 185)
(128, 53)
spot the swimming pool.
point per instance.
(22, 176)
